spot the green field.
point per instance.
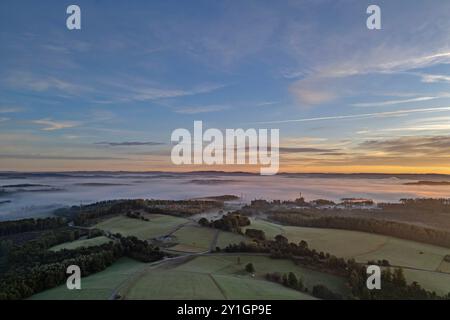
(270, 229)
(98, 286)
(422, 262)
(361, 245)
(221, 277)
(193, 239)
(81, 243)
(227, 238)
(444, 267)
(432, 281)
(158, 225)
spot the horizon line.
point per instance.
(220, 171)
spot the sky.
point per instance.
(108, 96)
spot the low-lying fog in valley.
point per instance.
(26, 195)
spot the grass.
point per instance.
(227, 238)
(255, 289)
(158, 225)
(81, 243)
(409, 254)
(270, 229)
(228, 265)
(444, 267)
(98, 286)
(432, 281)
(174, 285)
(221, 277)
(193, 239)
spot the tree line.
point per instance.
(26, 225)
(85, 215)
(230, 222)
(384, 227)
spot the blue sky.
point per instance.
(108, 96)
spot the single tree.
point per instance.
(250, 268)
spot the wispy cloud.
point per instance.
(390, 65)
(55, 157)
(411, 146)
(10, 110)
(432, 78)
(104, 91)
(304, 150)
(129, 143)
(360, 116)
(266, 103)
(41, 83)
(202, 109)
(151, 93)
(310, 96)
(394, 102)
(50, 125)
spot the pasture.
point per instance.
(158, 225)
(227, 238)
(193, 239)
(223, 277)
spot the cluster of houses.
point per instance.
(322, 204)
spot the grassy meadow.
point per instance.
(158, 225)
(361, 246)
(223, 277)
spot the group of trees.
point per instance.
(26, 225)
(32, 268)
(136, 215)
(393, 286)
(424, 205)
(250, 268)
(139, 249)
(389, 228)
(290, 280)
(280, 248)
(230, 222)
(90, 213)
(87, 214)
(255, 234)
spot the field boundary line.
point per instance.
(218, 286)
(377, 248)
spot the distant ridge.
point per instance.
(61, 174)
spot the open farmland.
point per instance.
(227, 238)
(81, 243)
(430, 280)
(223, 277)
(193, 239)
(361, 246)
(158, 225)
